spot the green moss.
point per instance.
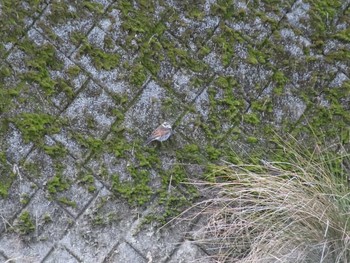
(138, 24)
(343, 35)
(203, 51)
(143, 34)
(182, 58)
(100, 59)
(211, 127)
(256, 56)
(67, 202)
(25, 198)
(262, 106)
(251, 118)
(94, 144)
(213, 153)
(25, 224)
(224, 97)
(327, 123)
(190, 154)
(222, 8)
(6, 176)
(140, 27)
(93, 7)
(88, 181)
(5, 71)
(55, 151)
(322, 14)
(104, 220)
(138, 75)
(232, 107)
(281, 80)
(120, 149)
(40, 59)
(151, 56)
(176, 175)
(140, 20)
(48, 31)
(273, 22)
(341, 54)
(32, 169)
(195, 13)
(252, 60)
(41, 77)
(63, 85)
(34, 126)
(108, 42)
(147, 158)
(77, 37)
(252, 139)
(90, 122)
(74, 71)
(14, 19)
(89, 142)
(47, 218)
(57, 184)
(4, 187)
(173, 203)
(60, 13)
(120, 99)
(225, 43)
(99, 220)
(225, 82)
(116, 143)
(137, 191)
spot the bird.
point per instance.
(162, 133)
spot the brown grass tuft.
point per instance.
(277, 211)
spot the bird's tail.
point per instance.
(148, 141)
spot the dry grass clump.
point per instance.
(277, 212)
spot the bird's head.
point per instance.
(166, 125)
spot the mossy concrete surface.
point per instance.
(83, 83)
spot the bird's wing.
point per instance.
(160, 131)
(157, 133)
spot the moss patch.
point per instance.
(13, 19)
(137, 191)
(100, 58)
(39, 60)
(6, 176)
(87, 180)
(67, 202)
(57, 184)
(25, 224)
(34, 126)
(102, 215)
(7, 93)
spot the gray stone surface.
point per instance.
(83, 84)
